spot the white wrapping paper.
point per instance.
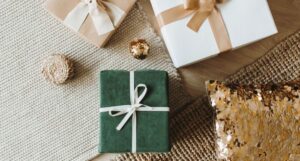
(246, 21)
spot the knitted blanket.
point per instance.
(42, 121)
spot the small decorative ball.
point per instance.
(57, 68)
(139, 49)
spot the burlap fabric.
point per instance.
(192, 129)
(42, 121)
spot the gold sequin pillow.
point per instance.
(256, 123)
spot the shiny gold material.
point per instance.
(139, 49)
(256, 122)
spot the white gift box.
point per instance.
(246, 21)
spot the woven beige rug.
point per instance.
(41, 121)
(192, 131)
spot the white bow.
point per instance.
(105, 15)
(130, 110)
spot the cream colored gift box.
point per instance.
(245, 21)
(93, 20)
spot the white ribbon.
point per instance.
(130, 110)
(105, 15)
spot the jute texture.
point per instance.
(42, 121)
(192, 129)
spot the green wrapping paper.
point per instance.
(152, 126)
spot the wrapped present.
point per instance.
(197, 29)
(134, 111)
(94, 20)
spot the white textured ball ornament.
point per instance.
(57, 68)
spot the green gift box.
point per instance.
(134, 111)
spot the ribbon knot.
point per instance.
(135, 105)
(105, 15)
(93, 4)
(203, 9)
(200, 11)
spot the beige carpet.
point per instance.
(41, 121)
(192, 132)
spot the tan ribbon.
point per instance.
(201, 10)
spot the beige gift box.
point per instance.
(62, 8)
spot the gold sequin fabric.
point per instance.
(256, 122)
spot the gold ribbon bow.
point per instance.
(200, 10)
(203, 9)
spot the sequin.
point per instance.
(256, 122)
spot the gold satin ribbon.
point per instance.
(201, 10)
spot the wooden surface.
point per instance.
(287, 18)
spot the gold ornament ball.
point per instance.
(139, 49)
